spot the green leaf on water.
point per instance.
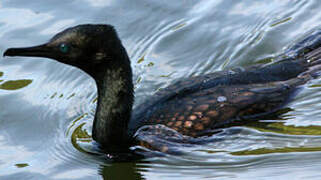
(72, 95)
(139, 79)
(15, 85)
(53, 96)
(150, 64)
(141, 59)
(265, 60)
(179, 26)
(281, 21)
(276, 150)
(168, 75)
(315, 86)
(22, 165)
(80, 135)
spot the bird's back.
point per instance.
(197, 105)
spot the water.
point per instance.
(47, 108)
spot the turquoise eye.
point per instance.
(64, 48)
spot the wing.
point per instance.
(197, 113)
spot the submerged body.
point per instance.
(193, 107)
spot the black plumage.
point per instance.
(192, 106)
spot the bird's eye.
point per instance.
(64, 48)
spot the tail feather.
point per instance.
(314, 71)
(305, 46)
(313, 57)
(313, 63)
(308, 51)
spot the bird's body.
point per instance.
(193, 106)
(196, 105)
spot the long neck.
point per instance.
(114, 106)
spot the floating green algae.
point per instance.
(262, 151)
(22, 165)
(15, 85)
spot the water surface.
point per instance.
(47, 108)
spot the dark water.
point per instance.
(47, 108)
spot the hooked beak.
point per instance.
(35, 51)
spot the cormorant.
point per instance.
(193, 106)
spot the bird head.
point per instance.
(85, 46)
